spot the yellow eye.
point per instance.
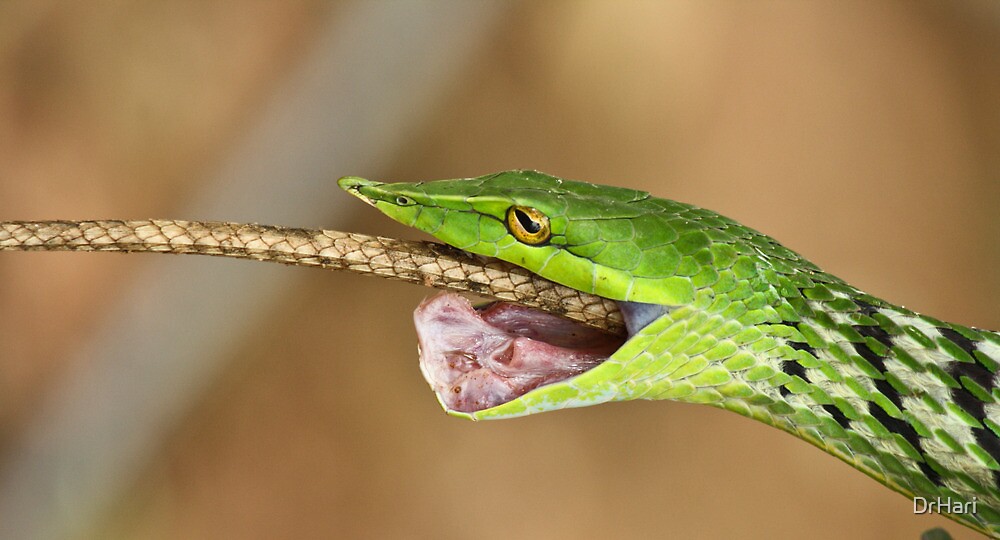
(528, 225)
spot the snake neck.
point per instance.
(916, 397)
(909, 400)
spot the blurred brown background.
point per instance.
(865, 135)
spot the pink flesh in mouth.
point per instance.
(475, 359)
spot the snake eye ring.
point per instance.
(528, 225)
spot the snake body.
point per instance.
(730, 318)
(717, 313)
(422, 263)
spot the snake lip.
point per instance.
(478, 358)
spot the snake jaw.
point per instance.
(476, 359)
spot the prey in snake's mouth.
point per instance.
(476, 358)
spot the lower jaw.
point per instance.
(479, 358)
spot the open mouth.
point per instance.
(476, 358)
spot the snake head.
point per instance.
(506, 360)
(652, 256)
(592, 238)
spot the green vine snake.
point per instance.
(717, 313)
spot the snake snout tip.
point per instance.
(354, 186)
(353, 183)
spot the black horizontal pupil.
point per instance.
(528, 224)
